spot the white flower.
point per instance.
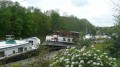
(54, 58)
(72, 58)
(83, 49)
(101, 64)
(57, 61)
(95, 57)
(98, 50)
(91, 61)
(68, 46)
(51, 65)
(77, 55)
(80, 65)
(66, 60)
(101, 55)
(114, 59)
(66, 65)
(72, 47)
(73, 63)
(95, 54)
(84, 54)
(79, 51)
(69, 54)
(106, 56)
(94, 63)
(115, 64)
(98, 63)
(76, 62)
(79, 58)
(88, 62)
(89, 54)
(66, 53)
(92, 46)
(66, 49)
(62, 58)
(82, 61)
(110, 64)
(110, 58)
(98, 59)
(104, 53)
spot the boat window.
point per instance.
(68, 40)
(25, 49)
(72, 40)
(20, 49)
(13, 51)
(30, 47)
(31, 42)
(63, 39)
(2, 54)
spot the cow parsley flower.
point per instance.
(89, 54)
(80, 65)
(98, 64)
(92, 46)
(88, 62)
(80, 58)
(94, 63)
(114, 59)
(84, 54)
(71, 65)
(82, 61)
(104, 53)
(98, 50)
(73, 62)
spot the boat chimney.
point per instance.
(10, 39)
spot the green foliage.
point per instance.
(118, 62)
(75, 24)
(105, 30)
(115, 42)
(16, 65)
(86, 42)
(27, 22)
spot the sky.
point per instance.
(98, 12)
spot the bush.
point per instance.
(73, 57)
(16, 65)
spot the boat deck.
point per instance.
(55, 43)
(3, 44)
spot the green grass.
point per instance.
(118, 62)
(16, 65)
(100, 47)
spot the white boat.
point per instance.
(61, 39)
(12, 47)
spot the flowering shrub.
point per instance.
(73, 57)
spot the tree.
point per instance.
(26, 22)
(114, 48)
(55, 19)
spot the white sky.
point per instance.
(98, 12)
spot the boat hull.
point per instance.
(18, 57)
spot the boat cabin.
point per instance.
(12, 47)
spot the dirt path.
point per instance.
(48, 56)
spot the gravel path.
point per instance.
(48, 56)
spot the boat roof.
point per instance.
(3, 44)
